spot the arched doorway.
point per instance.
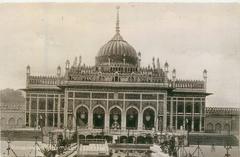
(11, 122)
(19, 122)
(115, 118)
(132, 118)
(218, 128)
(3, 122)
(210, 127)
(148, 119)
(98, 118)
(82, 117)
(227, 128)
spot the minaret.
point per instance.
(153, 63)
(80, 61)
(166, 71)
(174, 76)
(117, 23)
(158, 65)
(67, 68)
(58, 71)
(28, 72)
(58, 74)
(205, 79)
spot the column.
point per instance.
(176, 124)
(59, 104)
(171, 114)
(200, 124)
(157, 113)
(193, 115)
(165, 112)
(184, 113)
(90, 114)
(140, 115)
(107, 115)
(65, 108)
(46, 116)
(30, 106)
(53, 111)
(37, 109)
(123, 119)
(74, 113)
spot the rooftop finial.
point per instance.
(117, 23)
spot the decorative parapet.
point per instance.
(192, 84)
(144, 75)
(45, 80)
(222, 111)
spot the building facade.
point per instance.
(12, 116)
(116, 94)
(222, 120)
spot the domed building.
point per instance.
(116, 96)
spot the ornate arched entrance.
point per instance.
(227, 128)
(115, 118)
(11, 122)
(218, 128)
(98, 118)
(148, 119)
(82, 117)
(132, 118)
(210, 127)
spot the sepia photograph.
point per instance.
(119, 79)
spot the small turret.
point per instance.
(80, 61)
(153, 63)
(158, 64)
(166, 67)
(67, 65)
(59, 71)
(205, 78)
(28, 70)
(75, 62)
(174, 76)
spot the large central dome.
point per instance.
(117, 50)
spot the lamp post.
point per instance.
(227, 147)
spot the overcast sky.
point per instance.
(191, 37)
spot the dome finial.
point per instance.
(117, 23)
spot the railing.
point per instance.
(194, 84)
(45, 80)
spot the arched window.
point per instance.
(115, 118)
(20, 122)
(218, 128)
(82, 116)
(98, 118)
(209, 127)
(148, 118)
(132, 118)
(11, 121)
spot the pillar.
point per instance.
(46, 116)
(59, 104)
(171, 114)
(165, 112)
(193, 115)
(37, 110)
(140, 115)
(90, 114)
(123, 114)
(30, 106)
(65, 109)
